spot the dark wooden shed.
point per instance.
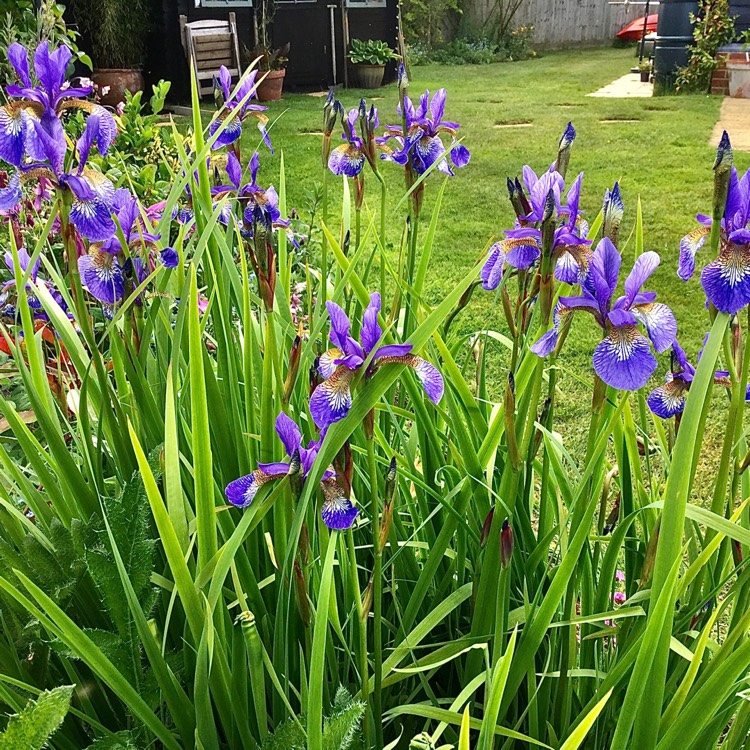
(314, 29)
(740, 9)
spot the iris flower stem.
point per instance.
(548, 422)
(377, 595)
(383, 198)
(411, 260)
(567, 643)
(362, 636)
(324, 246)
(357, 227)
(718, 502)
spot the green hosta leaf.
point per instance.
(31, 728)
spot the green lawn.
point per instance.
(657, 148)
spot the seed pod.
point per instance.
(294, 358)
(506, 544)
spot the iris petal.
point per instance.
(10, 196)
(624, 359)
(327, 362)
(428, 374)
(660, 323)
(567, 269)
(726, 280)
(231, 132)
(338, 512)
(689, 246)
(668, 399)
(101, 272)
(289, 433)
(13, 130)
(492, 270)
(346, 159)
(371, 330)
(332, 399)
(241, 492)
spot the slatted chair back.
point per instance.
(208, 45)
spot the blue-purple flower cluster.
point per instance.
(330, 402)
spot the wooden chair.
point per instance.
(208, 45)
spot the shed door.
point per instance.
(307, 27)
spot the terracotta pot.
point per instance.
(269, 89)
(119, 81)
(369, 76)
(645, 76)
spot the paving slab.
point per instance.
(735, 119)
(628, 86)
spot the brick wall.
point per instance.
(720, 78)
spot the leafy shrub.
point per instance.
(477, 50)
(19, 22)
(145, 155)
(425, 20)
(713, 28)
(116, 30)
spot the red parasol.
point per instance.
(632, 32)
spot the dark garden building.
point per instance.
(315, 30)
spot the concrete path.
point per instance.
(735, 119)
(626, 87)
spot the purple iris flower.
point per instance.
(104, 269)
(7, 291)
(522, 246)
(420, 143)
(337, 512)
(623, 359)
(261, 205)
(93, 194)
(223, 91)
(349, 157)
(726, 279)
(33, 114)
(332, 399)
(669, 400)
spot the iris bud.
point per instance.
(291, 376)
(506, 544)
(563, 149)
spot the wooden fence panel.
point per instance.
(565, 23)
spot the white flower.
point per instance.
(105, 90)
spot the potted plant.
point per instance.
(271, 72)
(369, 58)
(116, 32)
(644, 68)
(271, 61)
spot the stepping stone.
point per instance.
(628, 86)
(735, 119)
